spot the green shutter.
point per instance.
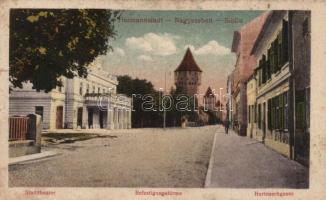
(286, 118)
(265, 67)
(285, 48)
(275, 49)
(270, 62)
(259, 116)
(276, 112)
(269, 114)
(281, 111)
(300, 109)
(279, 48)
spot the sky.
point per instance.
(149, 50)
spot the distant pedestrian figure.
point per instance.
(226, 126)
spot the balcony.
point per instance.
(275, 80)
(104, 99)
(97, 99)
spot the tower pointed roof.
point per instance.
(188, 63)
(209, 92)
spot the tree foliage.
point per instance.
(137, 89)
(48, 43)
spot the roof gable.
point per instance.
(188, 63)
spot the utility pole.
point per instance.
(164, 111)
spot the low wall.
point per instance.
(32, 143)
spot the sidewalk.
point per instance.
(32, 157)
(241, 162)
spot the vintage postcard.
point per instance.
(162, 100)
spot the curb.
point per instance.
(210, 166)
(31, 157)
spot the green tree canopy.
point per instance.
(137, 89)
(48, 43)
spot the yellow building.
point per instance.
(251, 107)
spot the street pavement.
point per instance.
(241, 162)
(162, 158)
(130, 158)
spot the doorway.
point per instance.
(101, 118)
(80, 117)
(90, 117)
(59, 117)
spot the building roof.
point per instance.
(245, 37)
(188, 63)
(209, 92)
(273, 15)
(243, 42)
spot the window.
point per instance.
(281, 112)
(268, 70)
(270, 62)
(259, 116)
(269, 114)
(98, 90)
(285, 36)
(264, 68)
(276, 56)
(87, 89)
(39, 111)
(249, 114)
(279, 50)
(300, 109)
(259, 77)
(93, 89)
(253, 113)
(286, 116)
(276, 104)
(81, 88)
(255, 107)
(273, 113)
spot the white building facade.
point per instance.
(90, 102)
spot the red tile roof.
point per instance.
(188, 63)
(243, 42)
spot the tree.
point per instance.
(46, 44)
(175, 114)
(137, 89)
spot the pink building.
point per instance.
(243, 41)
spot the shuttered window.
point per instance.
(285, 36)
(259, 116)
(281, 113)
(279, 50)
(276, 58)
(286, 112)
(269, 114)
(300, 109)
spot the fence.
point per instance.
(18, 128)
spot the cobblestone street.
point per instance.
(162, 158)
(130, 158)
